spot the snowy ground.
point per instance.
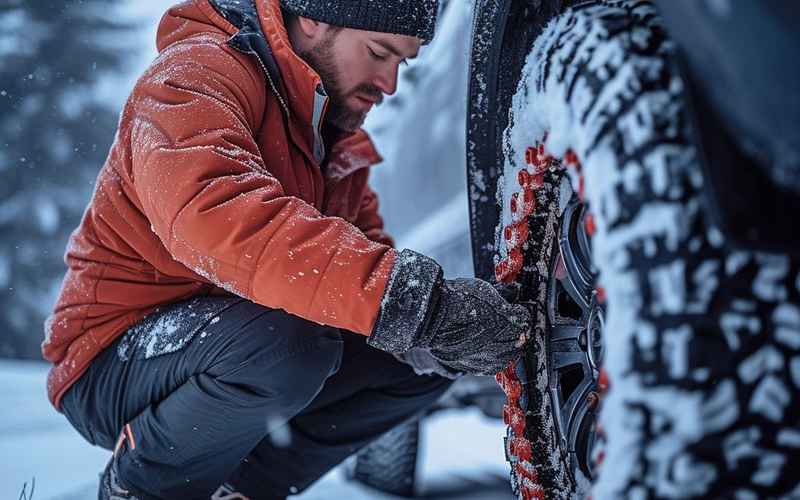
(462, 455)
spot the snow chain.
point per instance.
(554, 391)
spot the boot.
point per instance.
(111, 488)
(226, 492)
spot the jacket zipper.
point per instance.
(269, 79)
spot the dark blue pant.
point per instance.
(221, 389)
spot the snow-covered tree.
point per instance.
(54, 136)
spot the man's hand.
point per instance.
(473, 329)
(465, 323)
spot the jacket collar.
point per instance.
(298, 88)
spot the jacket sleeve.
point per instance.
(201, 181)
(370, 221)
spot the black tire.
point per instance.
(503, 34)
(544, 463)
(389, 464)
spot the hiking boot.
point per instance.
(226, 492)
(111, 487)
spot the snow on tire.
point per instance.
(702, 340)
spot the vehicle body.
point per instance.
(533, 227)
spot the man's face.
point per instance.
(357, 68)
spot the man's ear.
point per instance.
(309, 27)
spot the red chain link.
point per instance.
(507, 269)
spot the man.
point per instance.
(231, 222)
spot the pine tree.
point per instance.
(54, 136)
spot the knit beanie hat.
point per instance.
(402, 17)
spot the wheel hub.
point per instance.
(575, 344)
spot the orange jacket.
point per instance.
(214, 181)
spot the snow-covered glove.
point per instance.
(465, 323)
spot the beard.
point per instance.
(339, 114)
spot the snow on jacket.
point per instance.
(214, 184)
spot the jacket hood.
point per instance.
(256, 27)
